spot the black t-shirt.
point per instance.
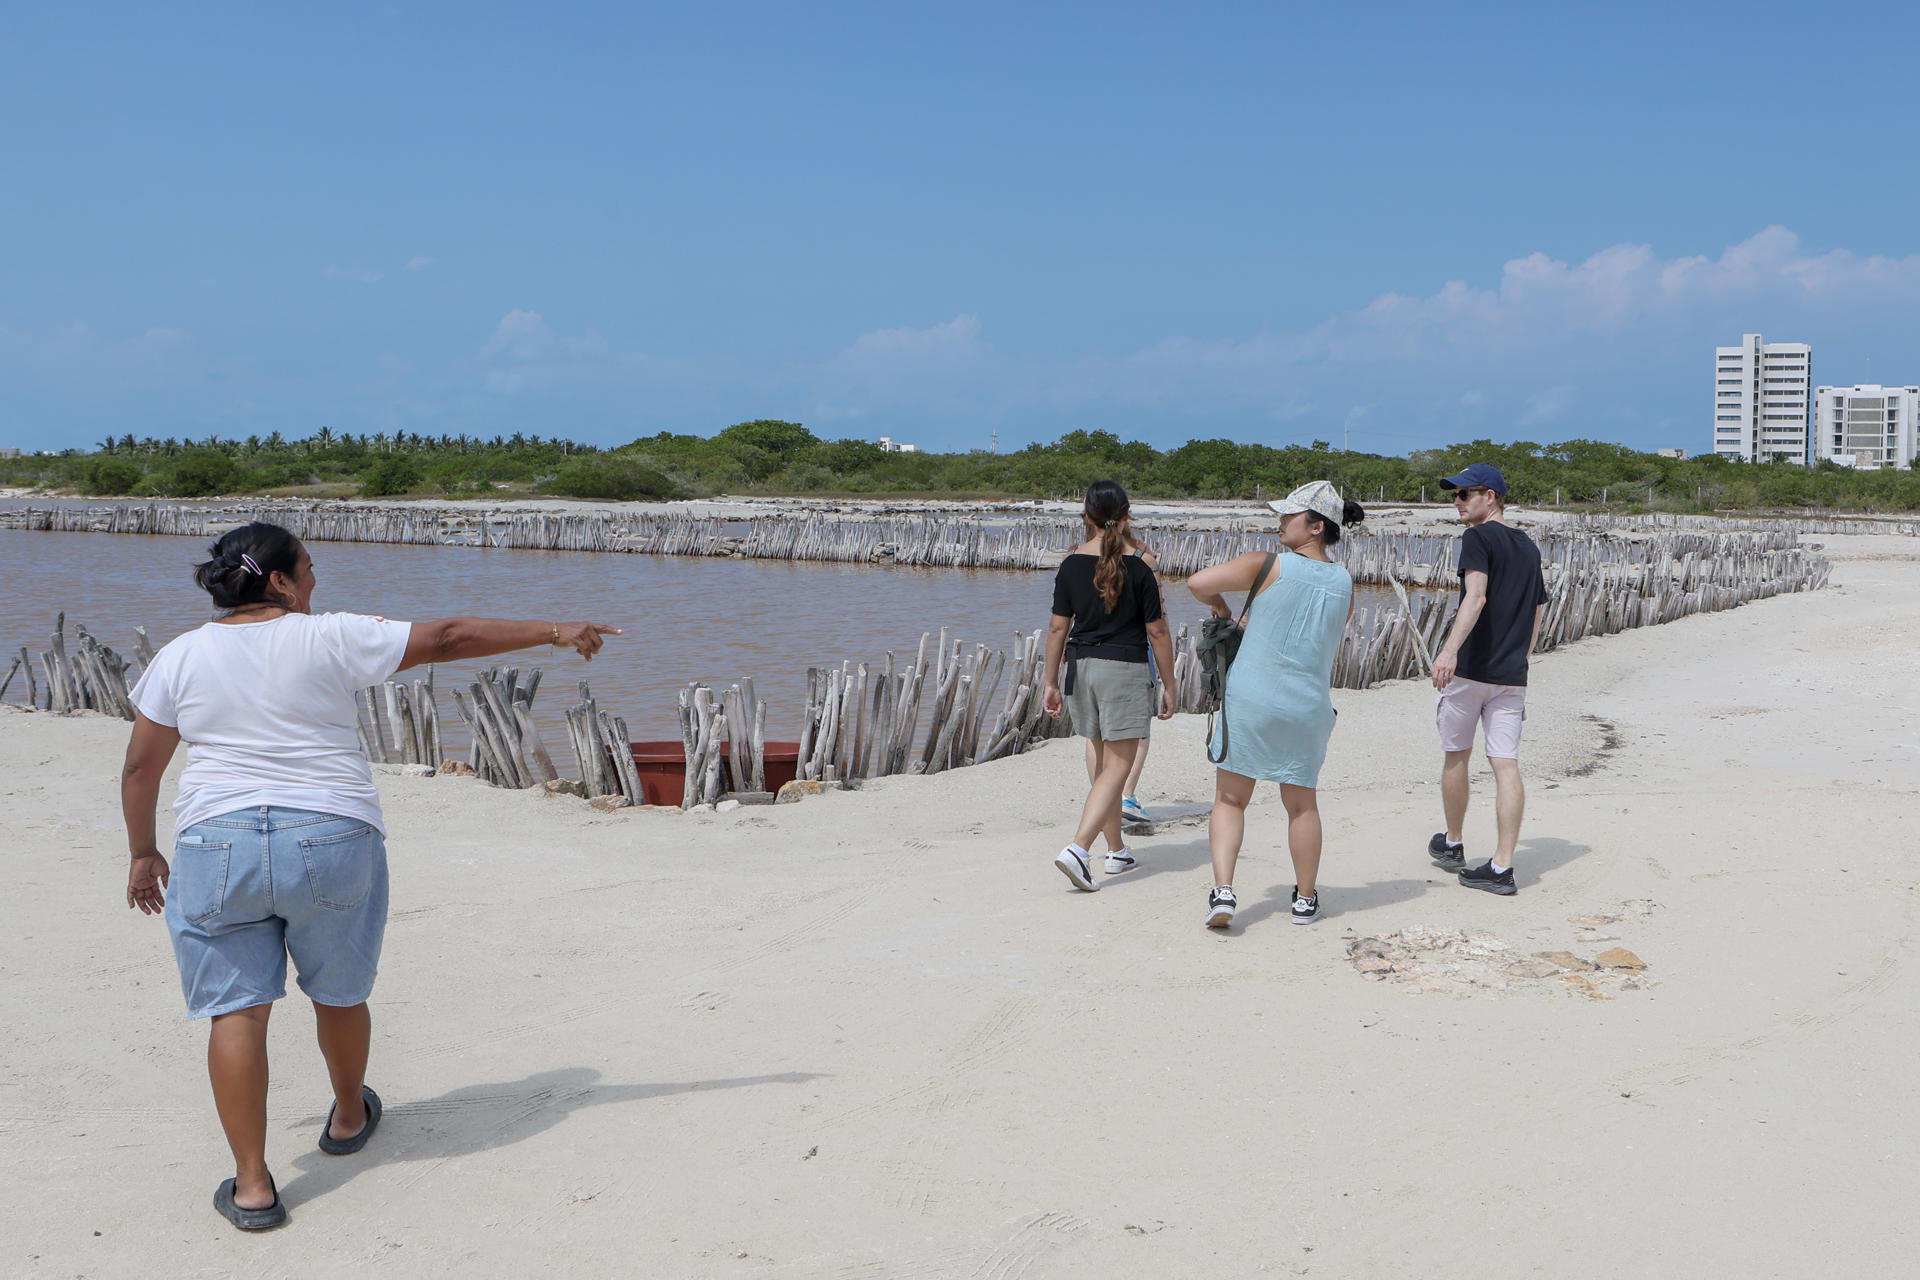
(1495, 651)
(1075, 596)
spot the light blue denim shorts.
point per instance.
(247, 889)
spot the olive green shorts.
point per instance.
(1111, 699)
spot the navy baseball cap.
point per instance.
(1484, 474)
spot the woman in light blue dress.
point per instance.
(1278, 714)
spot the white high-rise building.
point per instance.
(1867, 426)
(1761, 401)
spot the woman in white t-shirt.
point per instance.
(280, 845)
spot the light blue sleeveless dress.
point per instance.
(1278, 713)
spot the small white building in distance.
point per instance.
(1867, 426)
(1671, 453)
(889, 445)
(1761, 400)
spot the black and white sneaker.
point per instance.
(1220, 907)
(1447, 857)
(1073, 865)
(1485, 877)
(1305, 910)
(1121, 860)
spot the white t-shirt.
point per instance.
(266, 710)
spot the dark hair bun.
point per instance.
(226, 576)
(1352, 514)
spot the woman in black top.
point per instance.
(1106, 617)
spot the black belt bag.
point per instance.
(1115, 652)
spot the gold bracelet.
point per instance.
(555, 642)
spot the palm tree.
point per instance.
(325, 437)
(253, 444)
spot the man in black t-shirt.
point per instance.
(1481, 672)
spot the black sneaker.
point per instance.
(1485, 877)
(1448, 857)
(1305, 910)
(1220, 907)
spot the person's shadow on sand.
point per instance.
(1155, 859)
(1335, 900)
(1541, 855)
(482, 1117)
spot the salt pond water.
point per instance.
(685, 618)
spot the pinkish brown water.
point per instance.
(684, 618)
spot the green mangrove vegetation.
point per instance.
(771, 457)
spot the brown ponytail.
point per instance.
(1106, 511)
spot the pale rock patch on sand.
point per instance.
(1469, 962)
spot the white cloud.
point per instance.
(420, 263)
(1624, 310)
(525, 353)
(520, 335)
(945, 345)
(1544, 408)
(87, 365)
(946, 367)
(1609, 345)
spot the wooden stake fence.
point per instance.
(91, 678)
(1015, 543)
(859, 722)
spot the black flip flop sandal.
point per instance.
(347, 1146)
(249, 1219)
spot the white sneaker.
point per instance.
(1305, 910)
(1220, 907)
(1073, 865)
(1119, 860)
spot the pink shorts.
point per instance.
(1498, 708)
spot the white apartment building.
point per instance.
(1761, 400)
(1867, 426)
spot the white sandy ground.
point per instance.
(876, 1035)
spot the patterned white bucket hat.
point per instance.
(1318, 496)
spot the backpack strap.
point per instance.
(1266, 567)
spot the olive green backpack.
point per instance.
(1218, 645)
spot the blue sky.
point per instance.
(1265, 222)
